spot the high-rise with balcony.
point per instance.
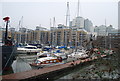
(78, 23)
(88, 25)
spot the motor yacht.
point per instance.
(29, 49)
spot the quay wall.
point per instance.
(48, 72)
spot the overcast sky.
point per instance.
(36, 12)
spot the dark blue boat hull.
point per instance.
(8, 55)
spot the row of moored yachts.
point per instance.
(48, 56)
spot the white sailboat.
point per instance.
(79, 53)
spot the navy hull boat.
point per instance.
(8, 50)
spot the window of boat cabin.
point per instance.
(51, 61)
(47, 61)
(54, 60)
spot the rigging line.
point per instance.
(9, 58)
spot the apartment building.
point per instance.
(110, 41)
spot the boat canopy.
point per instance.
(62, 47)
(45, 58)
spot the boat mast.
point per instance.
(78, 14)
(20, 26)
(54, 24)
(50, 22)
(6, 19)
(78, 9)
(105, 33)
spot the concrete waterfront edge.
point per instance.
(51, 73)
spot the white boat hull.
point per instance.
(77, 55)
(23, 50)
